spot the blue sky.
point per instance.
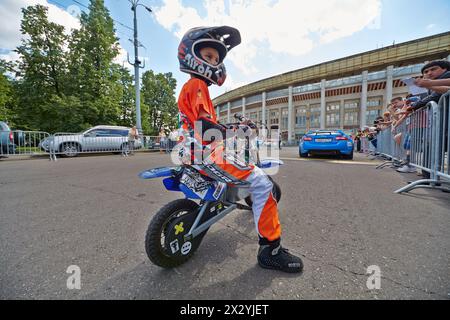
(277, 35)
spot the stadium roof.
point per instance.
(402, 54)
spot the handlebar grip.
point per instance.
(239, 116)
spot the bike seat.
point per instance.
(213, 173)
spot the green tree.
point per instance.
(68, 83)
(6, 92)
(127, 101)
(94, 76)
(42, 69)
(158, 96)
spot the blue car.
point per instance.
(326, 142)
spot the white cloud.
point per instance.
(292, 27)
(11, 16)
(231, 83)
(122, 59)
(9, 56)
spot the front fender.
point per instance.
(159, 172)
(270, 163)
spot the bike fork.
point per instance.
(195, 231)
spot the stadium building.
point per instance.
(346, 93)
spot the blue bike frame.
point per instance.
(195, 186)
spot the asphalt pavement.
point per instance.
(340, 216)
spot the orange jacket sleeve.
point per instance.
(198, 97)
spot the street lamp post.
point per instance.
(137, 63)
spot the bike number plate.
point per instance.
(195, 183)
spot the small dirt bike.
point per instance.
(178, 228)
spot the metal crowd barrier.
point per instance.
(151, 142)
(364, 144)
(443, 164)
(430, 145)
(156, 143)
(391, 144)
(426, 132)
(19, 142)
(31, 143)
(384, 146)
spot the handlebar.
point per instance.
(250, 123)
(239, 117)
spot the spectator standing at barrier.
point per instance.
(407, 168)
(358, 136)
(386, 122)
(373, 135)
(435, 70)
(173, 139)
(364, 138)
(162, 140)
(404, 114)
(132, 135)
(440, 86)
(396, 104)
(396, 113)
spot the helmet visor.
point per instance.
(211, 43)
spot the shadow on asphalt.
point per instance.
(428, 194)
(326, 157)
(62, 157)
(210, 274)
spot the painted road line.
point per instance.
(335, 161)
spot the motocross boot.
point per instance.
(271, 255)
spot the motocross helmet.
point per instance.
(223, 39)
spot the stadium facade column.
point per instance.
(280, 119)
(308, 116)
(229, 112)
(322, 104)
(341, 114)
(218, 112)
(362, 121)
(263, 108)
(389, 84)
(290, 113)
(243, 106)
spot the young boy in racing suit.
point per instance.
(201, 54)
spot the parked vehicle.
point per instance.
(97, 139)
(10, 139)
(326, 142)
(7, 145)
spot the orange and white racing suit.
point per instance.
(193, 100)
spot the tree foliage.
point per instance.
(6, 92)
(41, 67)
(67, 80)
(158, 96)
(94, 77)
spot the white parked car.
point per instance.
(97, 139)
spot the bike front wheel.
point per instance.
(164, 241)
